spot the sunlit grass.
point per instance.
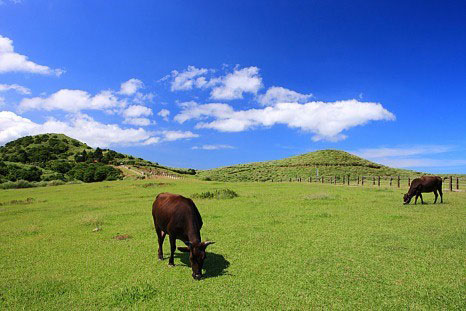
(278, 246)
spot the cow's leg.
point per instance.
(171, 261)
(422, 201)
(161, 237)
(441, 195)
(436, 195)
(415, 200)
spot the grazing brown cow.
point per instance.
(178, 216)
(424, 184)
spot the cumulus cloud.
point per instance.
(10, 61)
(79, 126)
(277, 94)
(410, 157)
(325, 120)
(137, 111)
(212, 147)
(137, 115)
(73, 101)
(383, 152)
(230, 86)
(139, 121)
(164, 113)
(131, 86)
(187, 79)
(15, 87)
(233, 85)
(177, 135)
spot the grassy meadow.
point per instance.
(278, 246)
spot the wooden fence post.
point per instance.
(373, 180)
(378, 181)
(348, 179)
(451, 183)
(362, 180)
(335, 180)
(398, 181)
(391, 180)
(457, 183)
(358, 179)
(409, 181)
(322, 179)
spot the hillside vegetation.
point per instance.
(49, 157)
(318, 163)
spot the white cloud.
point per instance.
(10, 61)
(73, 101)
(80, 126)
(421, 162)
(137, 111)
(325, 120)
(164, 113)
(139, 121)
(176, 135)
(383, 152)
(130, 87)
(15, 87)
(410, 157)
(212, 147)
(2, 101)
(137, 115)
(233, 85)
(140, 98)
(185, 80)
(276, 94)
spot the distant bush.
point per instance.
(217, 194)
(17, 184)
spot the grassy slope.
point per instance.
(328, 162)
(279, 246)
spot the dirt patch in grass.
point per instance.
(122, 237)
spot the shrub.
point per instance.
(17, 184)
(216, 194)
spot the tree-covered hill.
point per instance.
(48, 157)
(318, 163)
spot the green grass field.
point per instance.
(278, 246)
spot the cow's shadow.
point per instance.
(214, 264)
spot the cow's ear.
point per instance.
(205, 244)
(183, 249)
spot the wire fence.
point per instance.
(450, 183)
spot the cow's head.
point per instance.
(196, 256)
(407, 198)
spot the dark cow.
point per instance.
(178, 216)
(424, 184)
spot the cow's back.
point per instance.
(175, 210)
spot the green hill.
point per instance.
(326, 162)
(49, 157)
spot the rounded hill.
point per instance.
(313, 164)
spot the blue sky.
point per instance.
(205, 84)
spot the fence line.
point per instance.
(451, 183)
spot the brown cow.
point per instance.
(179, 217)
(424, 184)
